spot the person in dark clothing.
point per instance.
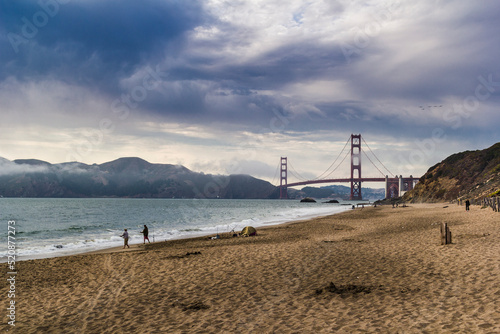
(467, 205)
(145, 232)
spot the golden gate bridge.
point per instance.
(395, 186)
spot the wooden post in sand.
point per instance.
(445, 234)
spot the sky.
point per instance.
(229, 87)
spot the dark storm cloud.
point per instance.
(287, 64)
(273, 69)
(211, 90)
(90, 42)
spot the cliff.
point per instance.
(469, 174)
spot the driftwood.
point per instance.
(445, 234)
(492, 202)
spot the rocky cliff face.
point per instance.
(469, 174)
(125, 177)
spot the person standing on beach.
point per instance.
(125, 238)
(145, 232)
(467, 205)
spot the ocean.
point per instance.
(56, 227)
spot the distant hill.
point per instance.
(336, 192)
(469, 174)
(124, 177)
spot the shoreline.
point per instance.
(194, 235)
(365, 270)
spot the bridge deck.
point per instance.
(366, 179)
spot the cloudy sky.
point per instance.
(231, 86)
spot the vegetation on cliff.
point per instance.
(467, 175)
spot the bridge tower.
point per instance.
(283, 178)
(356, 167)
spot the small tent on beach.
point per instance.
(248, 231)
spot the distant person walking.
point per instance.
(125, 238)
(145, 232)
(467, 205)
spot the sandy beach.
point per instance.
(371, 270)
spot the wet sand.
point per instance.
(375, 270)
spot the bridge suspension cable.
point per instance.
(366, 155)
(295, 173)
(345, 156)
(376, 158)
(276, 174)
(333, 163)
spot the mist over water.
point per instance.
(55, 227)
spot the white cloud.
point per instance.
(10, 168)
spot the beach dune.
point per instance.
(371, 270)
